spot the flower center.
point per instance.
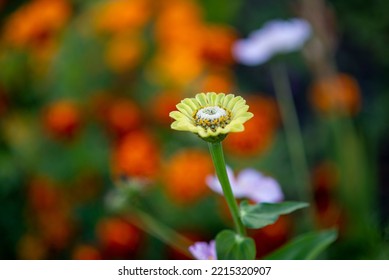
(212, 117)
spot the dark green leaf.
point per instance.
(264, 214)
(305, 247)
(232, 246)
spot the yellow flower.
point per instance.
(211, 116)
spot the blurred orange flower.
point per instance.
(179, 33)
(43, 195)
(124, 52)
(62, 119)
(41, 58)
(331, 216)
(2, 2)
(217, 80)
(176, 67)
(136, 155)
(117, 113)
(271, 237)
(86, 252)
(185, 175)
(36, 22)
(123, 115)
(325, 177)
(3, 102)
(117, 237)
(31, 247)
(56, 228)
(163, 103)
(340, 93)
(259, 131)
(49, 213)
(179, 22)
(122, 15)
(218, 44)
(324, 180)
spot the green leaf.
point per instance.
(264, 214)
(305, 247)
(232, 246)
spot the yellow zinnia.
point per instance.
(211, 116)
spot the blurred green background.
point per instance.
(85, 92)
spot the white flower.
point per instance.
(249, 184)
(276, 36)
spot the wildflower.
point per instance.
(117, 113)
(86, 252)
(122, 15)
(4, 102)
(56, 227)
(36, 22)
(179, 23)
(117, 237)
(190, 185)
(220, 80)
(339, 93)
(163, 103)
(211, 116)
(32, 247)
(62, 119)
(218, 44)
(259, 131)
(179, 35)
(43, 195)
(328, 212)
(275, 37)
(124, 52)
(249, 184)
(204, 250)
(272, 237)
(122, 116)
(136, 156)
(176, 66)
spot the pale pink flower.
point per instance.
(276, 36)
(249, 184)
(204, 250)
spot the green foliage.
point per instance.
(66, 80)
(220, 13)
(264, 214)
(232, 246)
(357, 23)
(305, 247)
(43, 176)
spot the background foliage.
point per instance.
(85, 92)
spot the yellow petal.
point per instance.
(211, 96)
(239, 110)
(235, 127)
(177, 115)
(192, 103)
(185, 109)
(202, 99)
(227, 99)
(182, 125)
(219, 99)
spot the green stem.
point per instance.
(149, 224)
(216, 150)
(292, 131)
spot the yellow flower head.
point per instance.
(211, 116)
